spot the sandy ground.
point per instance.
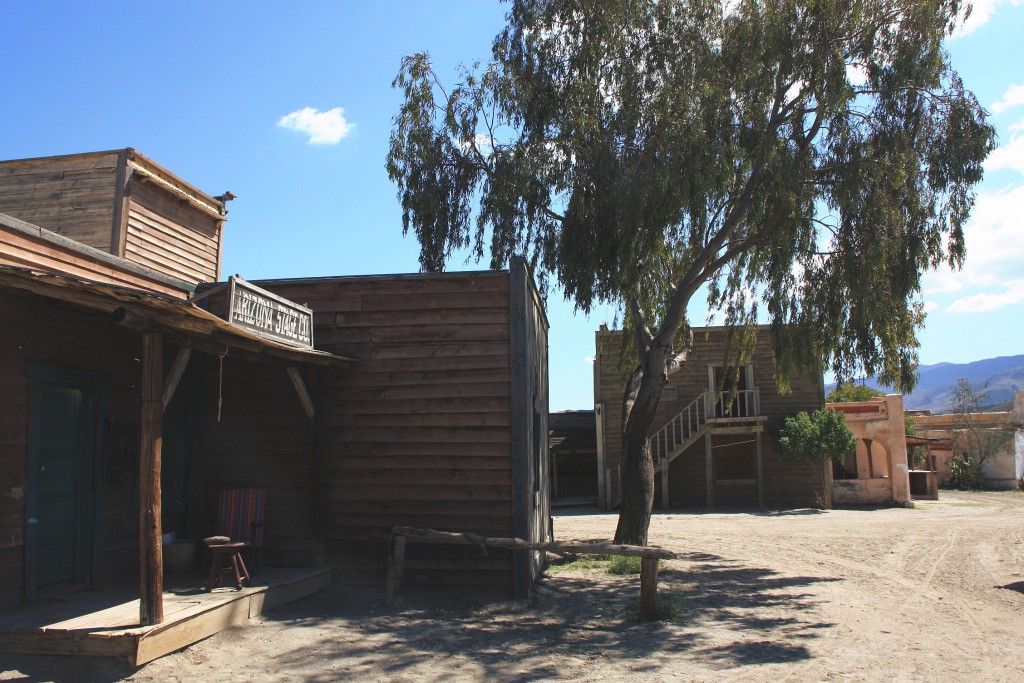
(931, 593)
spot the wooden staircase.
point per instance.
(705, 415)
(709, 413)
(679, 433)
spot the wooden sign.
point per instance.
(269, 315)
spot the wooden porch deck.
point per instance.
(106, 623)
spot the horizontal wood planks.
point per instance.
(170, 235)
(86, 198)
(417, 432)
(23, 250)
(258, 437)
(70, 195)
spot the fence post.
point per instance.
(396, 568)
(648, 588)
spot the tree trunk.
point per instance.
(637, 484)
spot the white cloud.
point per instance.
(587, 360)
(981, 12)
(1012, 293)
(930, 306)
(990, 278)
(322, 127)
(1013, 97)
(1011, 155)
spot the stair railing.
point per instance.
(679, 430)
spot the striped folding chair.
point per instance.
(239, 527)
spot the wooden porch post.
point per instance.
(151, 564)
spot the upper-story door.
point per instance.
(731, 390)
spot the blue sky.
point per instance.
(202, 88)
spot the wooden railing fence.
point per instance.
(649, 557)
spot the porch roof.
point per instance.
(184, 323)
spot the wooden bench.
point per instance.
(649, 558)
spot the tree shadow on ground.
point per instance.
(60, 669)
(574, 620)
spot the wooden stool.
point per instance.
(227, 557)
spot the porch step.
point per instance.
(110, 628)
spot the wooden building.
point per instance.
(442, 423)
(572, 438)
(712, 438)
(124, 204)
(134, 395)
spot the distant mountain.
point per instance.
(999, 377)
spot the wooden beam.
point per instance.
(665, 465)
(576, 547)
(300, 389)
(709, 474)
(174, 376)
(760, 472)
(151, 570)
(521, 422)
(648, 588)
(396, 568)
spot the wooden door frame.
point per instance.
(95, 388)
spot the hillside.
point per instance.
(1000, 377)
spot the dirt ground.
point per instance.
(930, 593)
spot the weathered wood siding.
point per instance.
(21, 248)
(170, 235)
(123, 204)
(786, 483)
(41, 331)
(531, 465)
(418, 431)
(258, 437)
(71, 195)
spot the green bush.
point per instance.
(965, 473)
(822, 435)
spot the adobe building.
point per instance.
(1004, 469)
(878, 473)
(138, 386)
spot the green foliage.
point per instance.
(639, 150)
(800, 162)
(976, 439)
(624, 564)
(822, 435)
(578, 563)
(917, 456)
(966, 473)
(849, 392)
(966, 400)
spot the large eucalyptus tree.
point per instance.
(801, 162)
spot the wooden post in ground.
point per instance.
(151, 566)
(648, 588)
(395, 570)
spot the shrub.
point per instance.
(965, 473)
(815, 438)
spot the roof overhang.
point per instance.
(184, 323)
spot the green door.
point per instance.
(65, 425)
(59, 494)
